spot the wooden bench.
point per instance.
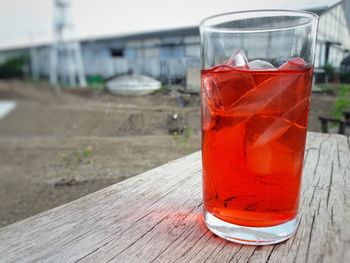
(325, 121)
(347, 115)
(340, 123)
(156, 217)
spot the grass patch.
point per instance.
(164, 90)
(343, 101)
(183, 138)
(82, 156)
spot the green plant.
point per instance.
(329, 89)
(13, 67)
(345, 77)
(78, 157)
(183, 138)
(328, 68)
(342, 102)
(164, 89)
(83, 154)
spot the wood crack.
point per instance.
(305, 158)
(90, 253)
(248, 260)
(129, 246)
(132, 225)
(180, 235)
(186, 236)
(109, 241)
(338, 155)
(295, 234)
(203, 246)
(310, 237)
(223, 246)
(313, 192)
(330, 185)
(297, 251)
(184, 253)
(234, 255)
(332, 216)
(160, 198)
(319, 153)
(79, 236)
(270, 254)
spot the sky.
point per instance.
(24, 22)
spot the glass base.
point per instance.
(250, 235)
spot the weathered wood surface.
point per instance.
(156, 217)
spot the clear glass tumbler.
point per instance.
(257, 70)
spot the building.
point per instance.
(167, 55)
(333, 40)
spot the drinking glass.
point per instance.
(257, 71)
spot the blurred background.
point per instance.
(95, 91)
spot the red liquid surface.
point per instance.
(253, 137)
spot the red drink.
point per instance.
(253, 138)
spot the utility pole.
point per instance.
(66, 58)
(34, 67)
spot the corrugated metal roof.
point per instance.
(157, 15)
(314, 5)
(97, 19)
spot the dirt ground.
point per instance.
(58, 147)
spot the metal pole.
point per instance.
(34, 60)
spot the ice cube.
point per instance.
(274, 148)
(294, 63)
(280, 125)
(228, 159)
(224, 87)
(260, 64)
(283, 157)
(238, 60)
(208, 116)
(212, 92)
(263, 95)
(269, 160)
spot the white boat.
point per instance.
(132, 85)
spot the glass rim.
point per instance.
(208, 24)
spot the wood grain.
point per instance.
(156, 217)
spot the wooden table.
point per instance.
(156, 217)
